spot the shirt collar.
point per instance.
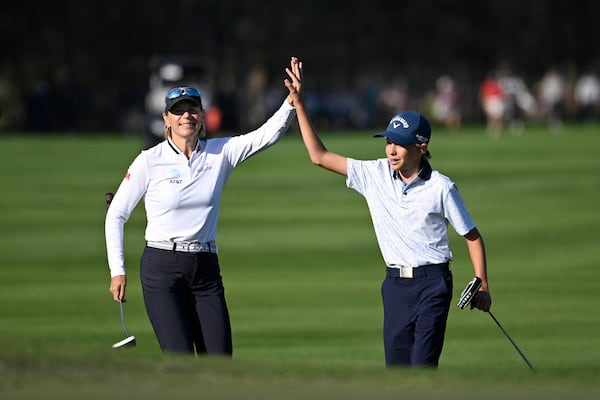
(424, 171)
(199, 146)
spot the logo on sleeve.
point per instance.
(203, 169)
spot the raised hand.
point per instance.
(294, 84)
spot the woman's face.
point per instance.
(185, 119)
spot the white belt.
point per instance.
(400, 271)
(185, 247)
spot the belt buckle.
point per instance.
(194, 246)
(405, 272)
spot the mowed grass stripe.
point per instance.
(301, 266)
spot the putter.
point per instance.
(108, 197)
(467, 296)
(129, 341)
(513, 342)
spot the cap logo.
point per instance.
(397, 121)
(422, 139)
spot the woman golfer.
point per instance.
(411, 206)
(181, 181)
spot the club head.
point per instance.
(127, 342)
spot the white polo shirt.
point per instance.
(410, 221)
(181, 196)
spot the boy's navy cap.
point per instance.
(407, 127)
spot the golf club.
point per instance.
(468, 294)
(129, 341)
(513, 342)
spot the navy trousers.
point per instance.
(185, 301)
(415, 314)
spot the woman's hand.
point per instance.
(294, 84)
(117, 287)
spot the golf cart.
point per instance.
(168, 71)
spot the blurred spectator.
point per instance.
(394, 98)
(587, 96)
(491, 98)
(227, 102)
(551, 94)
(42, 107)
(447, 103)
(519, 103)
(365, 112)
(255, 97)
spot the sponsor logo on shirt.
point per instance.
(175, 177)
(203, 169)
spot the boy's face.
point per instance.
(403, 157)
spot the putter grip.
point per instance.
(108, 196)
(469, 292)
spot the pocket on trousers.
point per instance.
(448, 284)
(157, 259)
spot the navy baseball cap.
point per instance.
(178, 94)
(407, 127)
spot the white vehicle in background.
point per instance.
(168, 71)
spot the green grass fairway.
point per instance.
(302, 273)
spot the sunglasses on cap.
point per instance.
(182, 91)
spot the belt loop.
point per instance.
(174, 247)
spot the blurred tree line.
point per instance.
(83, 65)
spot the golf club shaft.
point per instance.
(123, 318)
(109, 196)
(512, 341)
(129, 340)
